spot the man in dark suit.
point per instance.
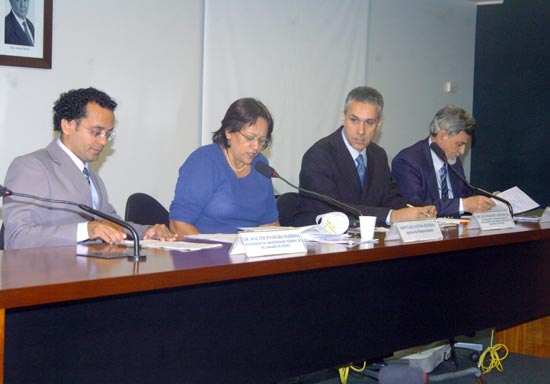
(423, 177)
(85, 118)
(349, 167)
(18, 29)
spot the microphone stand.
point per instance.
(269, 172)
(4, 192)
(354, 211)
(441, 154)
(136, 255)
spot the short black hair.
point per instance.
(71, 105)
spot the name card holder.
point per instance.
(267, 243)
(417, 230)
(545, 218)
(490, 220)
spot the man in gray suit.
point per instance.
(85, 118)
(18, 29)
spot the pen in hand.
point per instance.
(427, 214)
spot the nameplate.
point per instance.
(496, 219)
(417, 230)
(545, 218)
(258, 243)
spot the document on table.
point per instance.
(174, 245)
(520, 201)
(218, 237)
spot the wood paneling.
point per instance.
(531, 338)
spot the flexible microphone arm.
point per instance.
(6, 192)
(269, 172)
(441, 154)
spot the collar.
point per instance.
(352, 151)
(437, 162)
(79, 163)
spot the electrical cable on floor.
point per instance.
(344, 371)
(496, 354)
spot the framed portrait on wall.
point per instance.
(26, 33)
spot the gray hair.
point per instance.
(454, 120)
(365, 94)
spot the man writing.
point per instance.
(85, 119)
(349, 167)
(425, 179)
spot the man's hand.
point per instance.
(105, 230)
(477, 204)
(159, 232)
(413, 213)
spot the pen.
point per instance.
(425, 213)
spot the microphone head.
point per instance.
(5, 191)
(438, 151)
(265, 170)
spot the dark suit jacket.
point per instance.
(49, 173)
(329, 169)
(414, 172)
(14, 34)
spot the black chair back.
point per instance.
(144, 209)
(286, 205)
(2, 237)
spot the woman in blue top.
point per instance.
(218, 188)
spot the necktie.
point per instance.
(444, 185)
(360, 161)
(87, 174)
(26, 29)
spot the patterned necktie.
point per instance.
(27, 32)
(87, 174)
(360, 161)
(444, 185)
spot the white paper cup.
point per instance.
(367, 224)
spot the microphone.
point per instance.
(269, 172)
(441, 154)
(4, 192)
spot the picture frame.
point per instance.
(33, 49)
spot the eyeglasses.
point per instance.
(101, 133)
(262, 142)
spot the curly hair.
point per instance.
(71, 105)
(241, 113)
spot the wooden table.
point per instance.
(202, 317)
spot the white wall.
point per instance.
(413, 48)
(149, 58)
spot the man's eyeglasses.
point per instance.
(263, 142)
(101, 133)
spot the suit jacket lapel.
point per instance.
(431, 178)
(344, 163)
(68, 168)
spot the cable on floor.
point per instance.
(344, 371)
(495, 354)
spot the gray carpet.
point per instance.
(517, 369)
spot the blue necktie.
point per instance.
(444, 185)
(360, 161)
(87, 174)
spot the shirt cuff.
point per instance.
(461, 207)
(82, 232)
